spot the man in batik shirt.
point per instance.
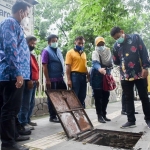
(131, 55)
(14, 69)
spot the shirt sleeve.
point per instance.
(10, 43)
(96, 65)
(116, 59)
(45, 57)
(68, 58)
(143, 53)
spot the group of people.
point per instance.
(19, 74)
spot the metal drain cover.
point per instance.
(70, 112)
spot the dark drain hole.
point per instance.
(114, 139)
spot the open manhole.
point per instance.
(77, 124)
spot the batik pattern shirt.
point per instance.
(131, 56)
(14, 51)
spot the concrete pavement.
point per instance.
(50, 136)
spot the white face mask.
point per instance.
(54, 45)
(100, 48)
(24, 22)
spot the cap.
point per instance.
(99, 39)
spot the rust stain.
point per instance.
(82, 120)
(71, 99)
(69, 123)
(58, 101)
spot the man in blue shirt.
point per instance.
(14, 69)
(131, 55)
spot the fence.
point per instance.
(41, 100)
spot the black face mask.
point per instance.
(31, 48)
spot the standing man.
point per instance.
(131, 55)
(28, 99)
(14, 69)
(76, 69)
(53, 67)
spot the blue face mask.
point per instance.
(120, 40)
(79, 48)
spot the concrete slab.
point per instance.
(50, 136)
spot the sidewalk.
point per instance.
(50, 136)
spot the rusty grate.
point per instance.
(70, 112)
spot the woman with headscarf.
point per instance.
(101, 62)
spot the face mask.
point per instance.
(54, 45)
(79, 48)
(31, 48)
(101, 48)
(24, 21)
(120, 40)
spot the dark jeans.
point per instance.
(23, 115)
(32, 102)
(10, 102)
(141, 85)
(101, 101)
(79, 85)
(55, 85)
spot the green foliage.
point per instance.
(90, 19)
(41, 43)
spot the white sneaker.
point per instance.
(29, 127)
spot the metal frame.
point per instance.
(71, 111)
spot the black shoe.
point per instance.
(106, 119)
(32, 124)
(22, 131)
(123, 113)
(128, 125)
(55, 120)
(101, 119)
(148, 123)
(22, 138)
(14, 147)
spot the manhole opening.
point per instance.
(114, 139)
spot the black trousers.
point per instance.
(128, 91)
(55, 85)
(10, 102)
(123, 103)
(101, 101)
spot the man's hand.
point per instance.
(30, 84)
(48, 84)
(19, 82)
(69, 84)
(144, 73)
(102, 71)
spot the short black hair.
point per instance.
(115, 30)
(20, 4)
(50, 37)
(79, 38)
(31, 38)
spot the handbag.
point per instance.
(109, 83)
